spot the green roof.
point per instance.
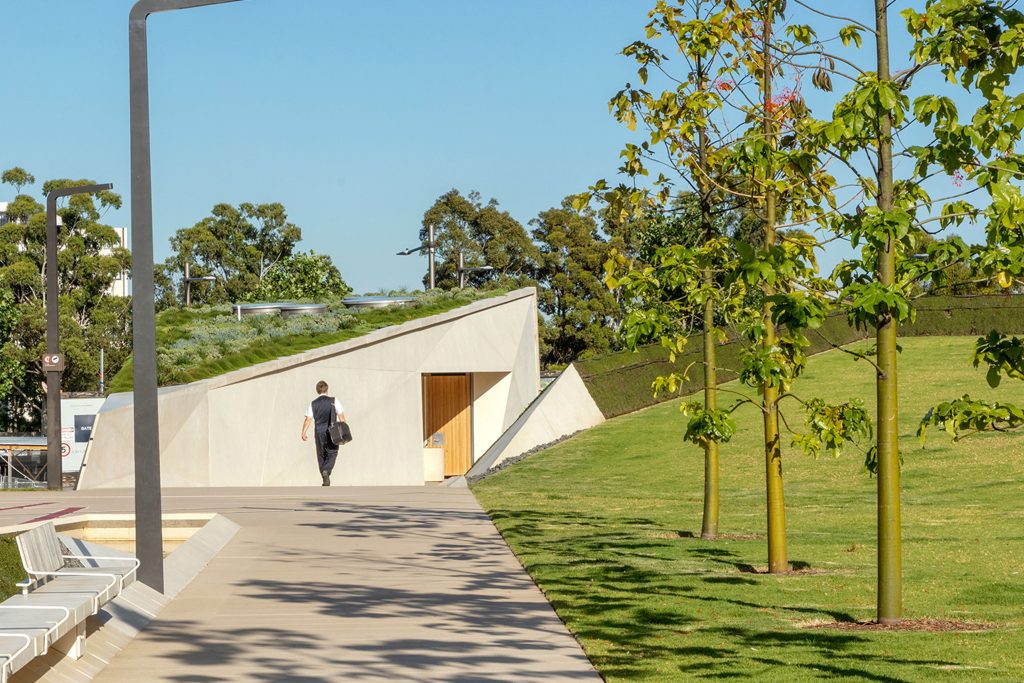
(199, 343)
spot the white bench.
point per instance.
(56, 598)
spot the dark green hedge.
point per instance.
(621, 382)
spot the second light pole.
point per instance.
(429, 246)
(53, 360)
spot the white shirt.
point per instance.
(338, 408)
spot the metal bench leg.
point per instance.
(73, 642)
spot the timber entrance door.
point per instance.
(447, 412)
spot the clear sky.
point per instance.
(355, 115)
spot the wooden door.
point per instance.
(447, 411)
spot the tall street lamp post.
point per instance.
(429, 246)
(148, 506)
(53, 360)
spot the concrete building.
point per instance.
(425, 400)
(119, 287)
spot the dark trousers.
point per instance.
(326, 451)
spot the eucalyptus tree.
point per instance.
(579, 311)
(90, 257)
(485, 236)
(239, 245)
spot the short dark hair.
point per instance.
(321, 387)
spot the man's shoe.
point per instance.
(327, 479)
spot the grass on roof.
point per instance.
(604, 523)
(199, 343)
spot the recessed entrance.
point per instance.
(447, 420)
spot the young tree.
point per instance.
(979, 44)
(755, 164)
(681, 135)
(979, 41)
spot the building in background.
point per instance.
(119, 287)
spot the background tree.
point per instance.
(239, 245)
(303, 276)
(89, 259)
(486, 235)
(579, 311)
(10, 370)
(17, 178)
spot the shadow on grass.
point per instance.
(645, 606)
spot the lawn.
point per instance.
(604, 523)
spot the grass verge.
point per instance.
(605, 522)
(10, 567)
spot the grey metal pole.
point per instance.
(188, 287)
(103, 376)
(430, 253)
(462, 274)
(148, 506)
(54, 469)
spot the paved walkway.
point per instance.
(361, 584)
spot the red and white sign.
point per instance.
(53, 362)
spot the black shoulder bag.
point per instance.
(339, 432)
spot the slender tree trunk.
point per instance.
(778, 557)
(890, 560)
(709, 524)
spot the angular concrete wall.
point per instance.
(242, 428)
(565, 407)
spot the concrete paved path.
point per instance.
(361, 584)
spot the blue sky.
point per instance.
(355, 115)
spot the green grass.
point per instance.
(195, 344)
(603, 523)
(10, 567)
(621, 382)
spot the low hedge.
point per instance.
(621, 382)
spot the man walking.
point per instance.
(321, 411)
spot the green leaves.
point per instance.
(302, 276)
(850, 34)
(1004, 355)
(965, 416)
(872, 304)
(832, 426)
(803, 33)
(705, 426)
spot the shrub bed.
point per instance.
(194, 344)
